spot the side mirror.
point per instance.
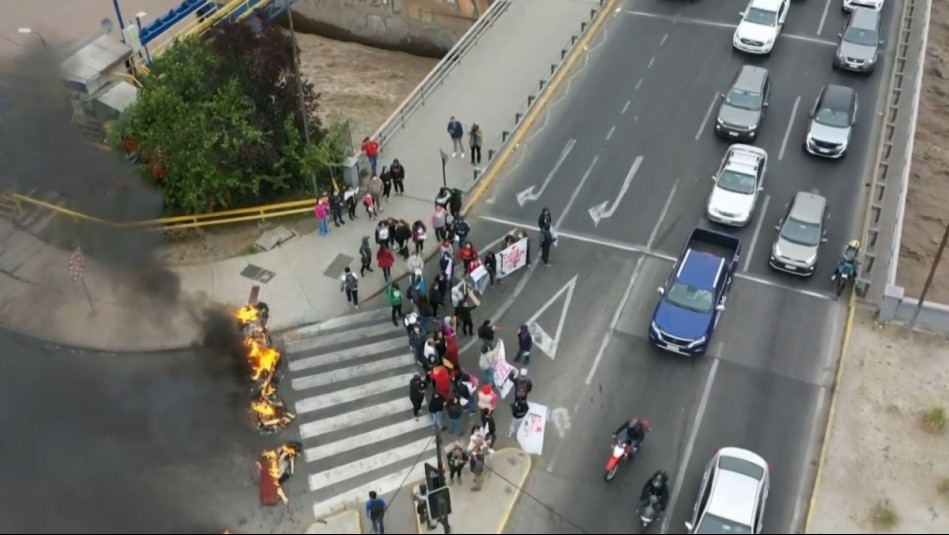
(661, 290)
(760, 188)
(720, 308)
(811, 114)
(688, 527)
(741, 14)
(765, 104)
(823, 240)
(713, 178)
(882, 42)
(841, 34)
(721, 96)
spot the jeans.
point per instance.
(425, 322)
(475, 150)
(523, 354)
(397, 312)
(378, 526)
(386, 273)
(457, 145)
(489, 376)
(515, 424)
(352, 296)
(454, 426)
(419, 246)
(338, 215)
(399, 186)
(437, 419)
(373, 162)
(324, 226)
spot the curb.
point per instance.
(318, 526)
(828, 427)
(534, 112)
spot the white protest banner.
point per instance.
(502, 371)
(530, 434)
(513, 258)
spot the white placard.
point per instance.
(511, 259)
(530, 434)
(502, 371)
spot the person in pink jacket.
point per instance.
(321, 210)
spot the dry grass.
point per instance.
(934, 419)
(884, 516)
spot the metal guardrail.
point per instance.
(883, 219)
(434, 79)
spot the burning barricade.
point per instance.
(268, 411)
(276, 466)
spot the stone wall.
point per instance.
(421, 27)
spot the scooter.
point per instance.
(648, 512)
(843, 274)
(621, 453)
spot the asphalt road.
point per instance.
(153, 443)
(645, 90)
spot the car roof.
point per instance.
(808, 207)
(735, 495)
(744, 159)
(864, 18)
(838, 97)
(699, 269)
(768, 5)
(750, 78)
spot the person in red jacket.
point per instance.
(371, 148)
(442, 381)
(451, 352)
(469, 255)
(386, 260)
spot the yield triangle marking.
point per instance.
(542, 340)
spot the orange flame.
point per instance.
(263, 360)
(263, 408)
(247, 313)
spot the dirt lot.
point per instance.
(887, 469)
(359, 83)
(926, 213)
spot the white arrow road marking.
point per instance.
(600, 211)
(561, 419)
(531, 193)
(542, 340)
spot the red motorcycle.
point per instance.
(621, 453)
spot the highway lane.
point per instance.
(764, 383)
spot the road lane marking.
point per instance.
(690, 445)
(625, 107)
(823, 17)
(652, 60)
(787, 131)
(708, 113)
(802, 495)
(662, 216)
(576, 192)
(610, 133)
(615, 321)
(723, 25)
(639, 83)
(754, 237)
(664, 37)
(766, 282)
(532, 193)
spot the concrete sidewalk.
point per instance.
(484, 511)
(489, 85)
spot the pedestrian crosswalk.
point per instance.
(350, 377)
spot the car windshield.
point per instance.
(737, 182)
(746, 100)
(714, 524)
(800, 232)
(861, 37)
(691, 298)
(761, 16)
(831, 117)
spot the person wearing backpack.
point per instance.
(525, 342)
(350, 283)
(376, 511)
(522, 384)
(365, 257)
(394, 294)
(519, 409)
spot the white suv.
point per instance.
(739, 180)
(733, 494)
(761, 22)
(849, 5)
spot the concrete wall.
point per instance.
(421, 27)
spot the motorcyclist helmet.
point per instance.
(854, 244)
(657, 480)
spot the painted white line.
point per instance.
(354, 442)
(801, 291)
(354, 393)
(690, 445)
(348, 354)
(365, 465)
(664, 37)
(352, 372)
(662, 216)
(610, 133)
(349, 419)
(708, 113)
(639, 83)
(724, 25)
(576, 192)
(787, 131)
(754, 237)
(625, 106)
(803, 489)
(352, 335)
(383, 486)
(348, 320)
(615, 321)
(652, 60)
(823, 17)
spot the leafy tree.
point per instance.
(220, 124)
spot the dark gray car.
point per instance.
(800, 234)
(832, 119)
(860, 42)
(743, 106)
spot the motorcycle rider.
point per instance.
(658, 486)
(632, 433)
(848, 260)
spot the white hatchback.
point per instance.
(761, 22)
(733, 494)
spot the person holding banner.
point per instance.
(519, 409)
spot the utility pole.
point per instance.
(299, 77)
(929, 281)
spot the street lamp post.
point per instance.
(38, 34)
(138, 20)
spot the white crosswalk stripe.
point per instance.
(349, 378)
